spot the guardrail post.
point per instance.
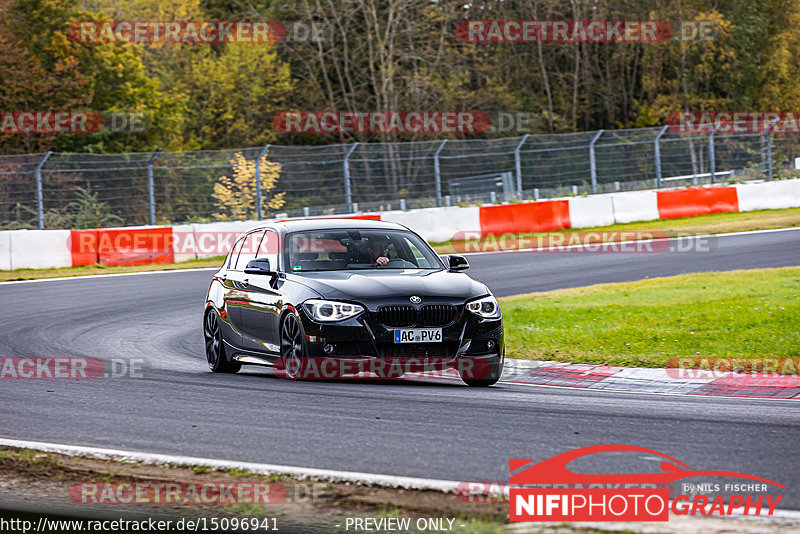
(437, 177)
(259, 214)
(348, 197)
(712, 163)
(593, 161)
(768, 148)
(518, 165)
(151, 194)
(657, 155)
(39, 195)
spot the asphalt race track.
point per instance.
(434, 429)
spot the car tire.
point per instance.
(492, 371)
(294, 362)
(215, 346)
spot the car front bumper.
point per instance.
(468, 342)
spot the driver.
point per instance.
(379, 252)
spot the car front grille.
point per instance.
(428, 315)
(437, 315)
(397, 315)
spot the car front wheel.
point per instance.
(483, 373)
(293, 356)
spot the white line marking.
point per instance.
(298, 472)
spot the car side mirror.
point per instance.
(258, 266)
(457, 263)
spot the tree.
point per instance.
(29, 83)
(78, 76)
(235, 93)
(235, 197)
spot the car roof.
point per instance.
(301, 225)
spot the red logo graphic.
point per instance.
(623, 503)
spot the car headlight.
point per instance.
(328, 311)
(486, 308)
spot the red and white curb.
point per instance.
(642, 380)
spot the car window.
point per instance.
(234, 255)
(269, 248)
(422, 261)
(250, 245)
(332, 250)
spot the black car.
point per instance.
(331, 298)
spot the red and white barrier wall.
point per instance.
(34, 249)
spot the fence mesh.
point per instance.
(76, 190)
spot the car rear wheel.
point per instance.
(293, 357)
(215, 347)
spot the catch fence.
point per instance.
(78, 190)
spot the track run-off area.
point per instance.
(434, 429)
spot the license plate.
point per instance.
(418, 335)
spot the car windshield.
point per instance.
(338, 250)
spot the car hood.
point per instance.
(392, 286)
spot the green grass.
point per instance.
(238, 472)
(703, 224)
(741, 314)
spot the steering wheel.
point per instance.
(398, 262)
